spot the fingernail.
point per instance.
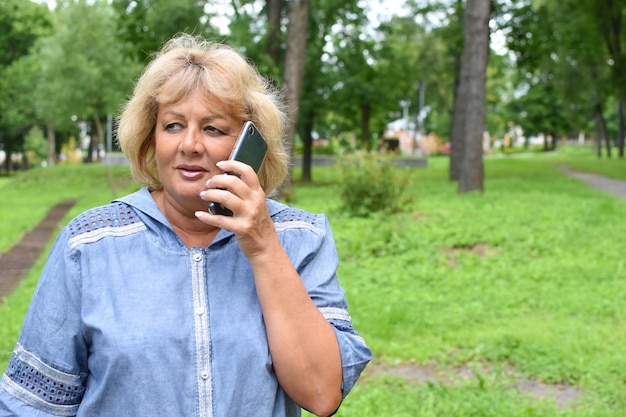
(206, 184)
(220, 163)
(198, 214)
(202, 193)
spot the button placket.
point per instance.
(202, 333)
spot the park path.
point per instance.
(15, 263)
(610, 185)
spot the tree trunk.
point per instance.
(620, 128)
(7, 155)
(307, 152)
(7, 162)
(100, 134)
(51, 145)
(458, 115)
(365, 125)
(456, 132)
(598, 129)
(292, 78)
(473, 82)
(598, 115)
(274, 10)
(607, 141)
(98, 139)
(601, 131)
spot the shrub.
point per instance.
(371, 182)
(36, 146)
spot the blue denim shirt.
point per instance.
(127, 321)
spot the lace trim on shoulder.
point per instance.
(291, 218)
(36, 384)
(117, 219)
(116, 214)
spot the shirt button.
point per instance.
(197, 257)
(200, 311)
(205, 375)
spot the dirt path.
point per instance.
(16, 263)
(563, 394)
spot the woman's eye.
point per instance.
(214, 131)
(171, 127)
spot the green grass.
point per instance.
(525, 281)
(583, 158)
(27, 196)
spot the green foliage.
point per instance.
(84, 71)
(147, 24)
(21, 24)
(36, 146)
(370, 182)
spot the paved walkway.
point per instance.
(610, 185)
(15, 263)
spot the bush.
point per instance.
(372, 182)
(36, 146)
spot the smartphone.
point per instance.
(250, 148)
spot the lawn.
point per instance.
(486, 304)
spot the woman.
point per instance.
(152, 306)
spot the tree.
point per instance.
(147, 24)
(16, 107)
(21, 24)
(85, 71)
(561, 60)
(292, 76)
(420, 66)
(319, 76)
(274, 11)
(469, 109)
(609, 18)
(364, 84)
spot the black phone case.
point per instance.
(250, 149)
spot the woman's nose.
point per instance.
(192, 141)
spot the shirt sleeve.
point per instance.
(312, 249)
(47, 371)
(13, 407)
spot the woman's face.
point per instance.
(191, 137)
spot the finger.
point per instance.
(241, 170)
(221, 202)
(211, 219)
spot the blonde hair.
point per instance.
(191, 63)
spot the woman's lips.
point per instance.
(191, 172)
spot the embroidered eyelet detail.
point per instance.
(118, 214)
(42, 386)
(294, 215)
